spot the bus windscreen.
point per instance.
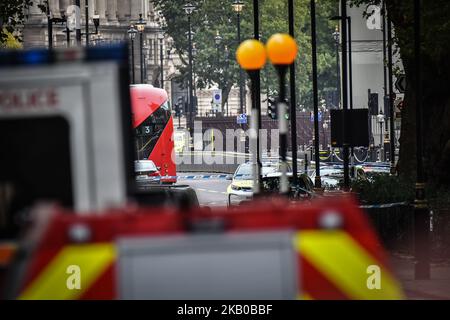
(149, 131)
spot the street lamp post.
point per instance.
(227, 58)
(345, 143)
(317, 179)
(194, 55)
(161, 57)
(140, 25)
(52, 20)
(380, 119)
(49, 26)
(189, 8)
(293, 111)
(67, 31)
(238, 6)
(217, 41)
(251, 56)
(282, 51)
(132, 35)
(336, 36)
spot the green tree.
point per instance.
(12, 15)
(435, 46)
(217, 65)
(10, 42)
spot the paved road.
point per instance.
(210, 192)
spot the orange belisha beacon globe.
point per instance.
(281, 49)
(251, 55)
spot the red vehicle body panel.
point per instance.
(145, 100)
(261, 215)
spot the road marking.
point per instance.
(210, 191)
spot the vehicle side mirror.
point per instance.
(229, 178)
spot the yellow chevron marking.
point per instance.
(51, 283)
(344, 263)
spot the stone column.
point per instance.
(136, 8)
(35, 14)
(111, 10)
(100, 7)
(54, 7)
(123, 10)
(64, 4)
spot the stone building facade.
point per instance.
(115, 18)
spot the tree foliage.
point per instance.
(216, 65)
(12, 15)
(435, 72)
(10, 42)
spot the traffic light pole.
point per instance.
(78, 23)
(86, 8)
(391, 98)
(421, 212)
(317, 180)
(132, 62)
(191, 98)
(49, 26)
(161, 60)
(241, 76)
(350, 82)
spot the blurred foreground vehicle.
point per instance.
(88, 232)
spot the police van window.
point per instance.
(38, 166)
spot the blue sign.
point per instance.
(241, 118)
(311, 116)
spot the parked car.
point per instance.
(146, 172)
(241, 186)
(332, 176)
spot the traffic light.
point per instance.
(178, 109)
(386, 106)
(287, 112)
(195, 104)
(373, 103)
(272, 108)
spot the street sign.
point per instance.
(400, 83)
(311, 116)
(217, 96)
(241, 118)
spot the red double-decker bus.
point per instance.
(153, 128)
